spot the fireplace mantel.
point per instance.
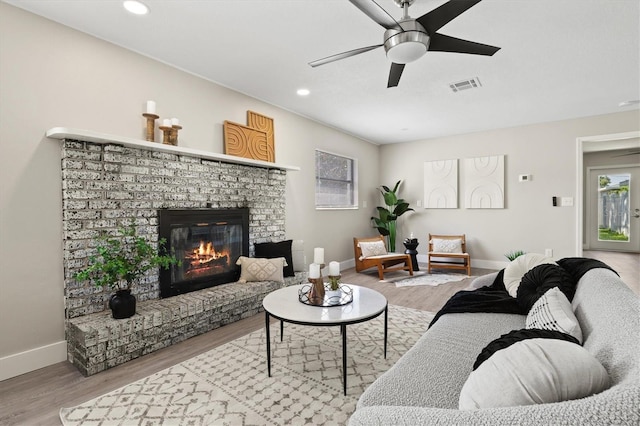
(104, 138)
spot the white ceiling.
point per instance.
(560, 59)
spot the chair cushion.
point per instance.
(372, 248)
(446, 245)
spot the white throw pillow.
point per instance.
(441, 245)
(553, 312)
(516, 269)
(372, 248)
(534, 371)
(261, 269)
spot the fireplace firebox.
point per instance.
(207, 242)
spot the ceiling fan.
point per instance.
(409, 39)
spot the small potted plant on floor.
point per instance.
(120, 262)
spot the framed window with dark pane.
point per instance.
(336, 182)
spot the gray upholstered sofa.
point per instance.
(424, 386)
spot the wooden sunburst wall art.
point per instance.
(255, 141)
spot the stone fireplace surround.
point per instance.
(106, 184)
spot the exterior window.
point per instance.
(336, 184)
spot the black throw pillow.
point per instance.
(541, 278)
(279, 249)
(516, 336)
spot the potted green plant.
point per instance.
(513, 255)
(120, 262)
(388, 216)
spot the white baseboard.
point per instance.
(33, 359)
(475, 263)
(422, 258)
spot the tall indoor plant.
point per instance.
(121, 261)
(386, 221)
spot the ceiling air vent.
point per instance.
(472, 83)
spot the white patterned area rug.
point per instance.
(429, 279)
(228, 385)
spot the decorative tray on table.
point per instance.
(340, 297)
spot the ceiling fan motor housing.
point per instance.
(406, 46)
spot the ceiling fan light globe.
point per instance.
(406, 45)
(406, 52)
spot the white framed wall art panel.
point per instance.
(484, 182)
(441, 184)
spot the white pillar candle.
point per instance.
(334, 268)
(166, 122)
(318, 255)
(314, 270)
(151, 107)
(175, 122)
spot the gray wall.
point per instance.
(53, 76)
(528, 222)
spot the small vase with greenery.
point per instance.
(386, 223)
(121, 261)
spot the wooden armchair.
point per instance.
(448, 259)
(384, 262)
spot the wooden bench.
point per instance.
(446, 259)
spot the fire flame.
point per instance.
(205, 253)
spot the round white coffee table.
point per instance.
(283, 304)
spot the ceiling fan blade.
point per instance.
(440, 16)
(342, 55)
(395, 74)
(374, 11)
(444, 43)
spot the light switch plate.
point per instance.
(566, 201)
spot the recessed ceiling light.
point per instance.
(135, 7)
(303, 92)
(629, 103)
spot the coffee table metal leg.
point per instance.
(266, 315)
(343, 330)
(386, 318)
(281, 330)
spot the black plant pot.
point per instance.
(122, 304)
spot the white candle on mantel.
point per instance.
(151, 107)
(175, 122)
(334, 269)
(166, 122)
(314, 270)
(318, 255)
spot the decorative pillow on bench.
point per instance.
(260, 269)
(277, 249)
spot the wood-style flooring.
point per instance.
(627, 265)
(36, 397)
